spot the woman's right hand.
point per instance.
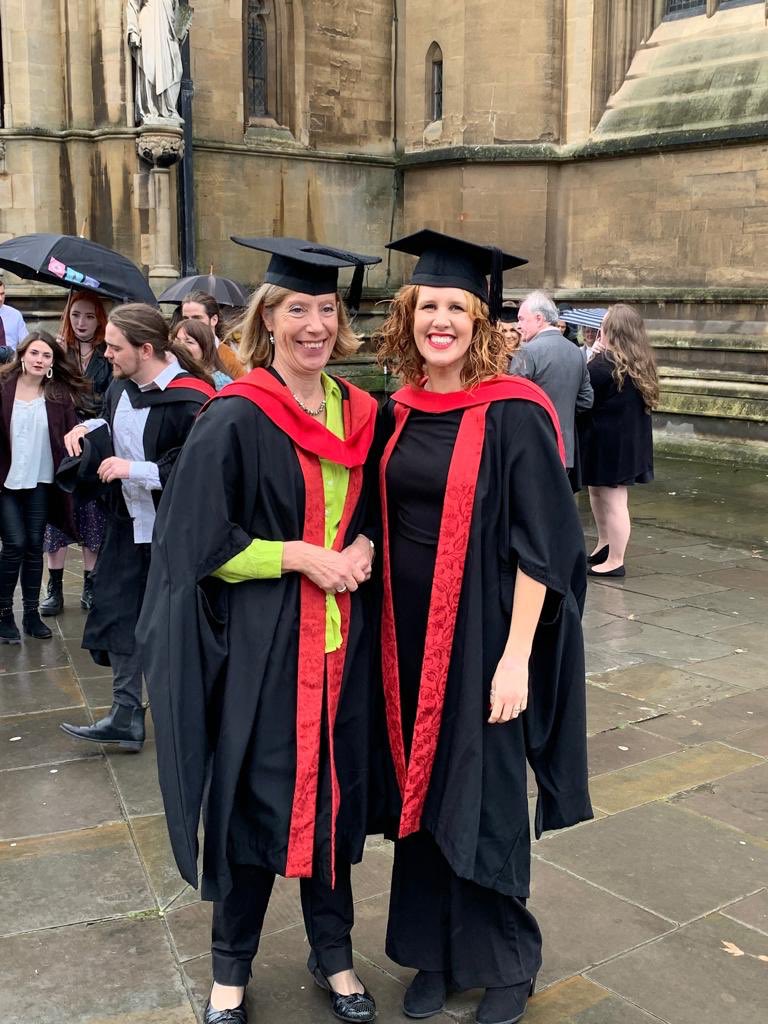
(332, 571)
(73, 441)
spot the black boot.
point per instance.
(34, 626)
(54, 601)
(9, 631)
(86, 598)
(505, 1005)
(426, 994)
(123, 725)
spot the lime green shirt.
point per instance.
(263, 559)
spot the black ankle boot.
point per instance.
(123, 725)
(505, 1005)
(426, 994)
(86, 598)
(54, 601)
(34, 626)
(9, 631)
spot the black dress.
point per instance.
(615, 436)
(460, 883)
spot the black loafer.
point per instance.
(426, 994)
(359, 1007)
(236, 1016)
(505, 1005)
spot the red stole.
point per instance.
(314, 666)
(193, 384)
(453, 540)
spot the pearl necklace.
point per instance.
(305, 408)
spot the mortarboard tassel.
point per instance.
(496, 289)
(355, 292)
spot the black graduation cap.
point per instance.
(509, 314)
(310, 267)
(447, 262)
(81, 472)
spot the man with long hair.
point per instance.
(148, 411)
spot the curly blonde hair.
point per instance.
(627, 343)
(255, 348)
(487, 356)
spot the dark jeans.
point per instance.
(238, 919)
(22, 527)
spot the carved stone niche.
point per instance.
(161, 148)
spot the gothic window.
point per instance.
(434, 83)
(679, 8)
(256, 60)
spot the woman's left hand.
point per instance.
(114, 469)
(361, 553)
(509, 689)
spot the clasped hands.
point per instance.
(110, 469)
(332, 571)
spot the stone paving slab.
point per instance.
(728, 719)
(619, 748)
(664, 776)
(112, 972)
(733, 602)
(752, 911)
(580, 1001)
(23, 693)
(71, 877)
(666, 687)
(675, 864)
(744, 670)
(27, 740)
(154, 848)
(688, 977)
(688, 619)
(740, 800)
(608, 710)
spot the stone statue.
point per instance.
(156, 29)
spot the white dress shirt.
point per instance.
(31, 458)
(13, 322)
(128, 443)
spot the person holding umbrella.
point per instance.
(38, 391)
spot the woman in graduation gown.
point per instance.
(484, 579)
(255, 634)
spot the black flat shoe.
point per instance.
(617, 573)
(505, 1005)
(599, 556)
(359, 1007)
(236, 1016)
(426, 994)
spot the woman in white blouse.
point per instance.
(37, 408)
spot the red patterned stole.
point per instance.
(453, 540)
(314, 666)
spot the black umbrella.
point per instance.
(73, 262)
(225, 291)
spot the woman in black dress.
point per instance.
(616, 435)
(482, 653)
(82, 338)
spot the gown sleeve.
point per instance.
(182, 630)
(546, 541)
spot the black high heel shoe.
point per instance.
(505, 1005)
(599, 556)
(356, 1008)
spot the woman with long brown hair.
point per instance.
(84, 323)
(616, 436)
(200, 339)
(482, 653)
(37, 407)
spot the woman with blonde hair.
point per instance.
(616, 436)
(256, 634)
(482, 653)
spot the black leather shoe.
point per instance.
(54, 599)
(236, 1016)
(599, 556)
(358, 1007)
(617, 573)
(86, 598)
(426, 994)
(123, 725)
(34, 626)
(505, 1005)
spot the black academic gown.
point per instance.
(120, 575)
(221, 660)
(523, 515)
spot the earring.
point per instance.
(271, 339)
(49, 373)
(23, 367)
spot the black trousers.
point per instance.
(440, 922)
(23, 515)
(238, 920)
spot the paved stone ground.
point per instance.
(657, 910)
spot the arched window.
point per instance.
(679, 8)
(434, 84)
(256, 100)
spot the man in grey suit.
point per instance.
(554, 363)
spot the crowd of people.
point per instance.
(349, 619)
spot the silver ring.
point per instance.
(341, 589)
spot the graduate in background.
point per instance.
(256, 636)
(482, 651)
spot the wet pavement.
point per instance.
(656, 910)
